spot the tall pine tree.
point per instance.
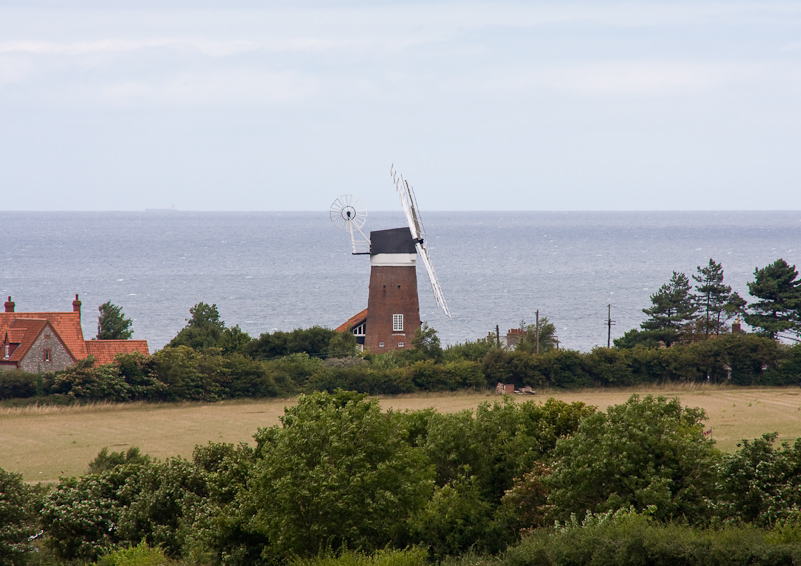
(779, 306)
(112, 324)
(672, 309)
(714, 300)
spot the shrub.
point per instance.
(649, 452)
(407, 557)
(105, 460)
(337, 472)
(17, 384)
(17, 518)
(625, 537)
(139, 555)
(759, 483)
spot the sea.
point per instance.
(269, 271)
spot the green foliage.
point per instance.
(779, 306)
(162, 501)
(189, 374)
(759, 483)
(714, 300)
(81, 514)
(337, 472)
(86, 382)
(343, 345)
(234, 340)
(139, 555)
(627, 538)
(18, 384)
(468, 351)
(500, 443)
(648, 453)
(645, 338)
(18, 519)
(203, 330)
(414, 556)
(105, 460)
(456, 518)
(312, 341)
(672, 308)
(426, 343)
(112, 324)
(547, 336)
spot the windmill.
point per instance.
(393, 311)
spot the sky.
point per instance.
(481, 105)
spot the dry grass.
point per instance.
(45, 442)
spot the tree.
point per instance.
(672, 308)
(313, 341)
(779, 307)
(343, 345)
(715, 300)
(203, 330)
(648, 453)
(17, 518)
(760, 483)
(112, 324)
(547, 332)
(427, 344)
(338, 472)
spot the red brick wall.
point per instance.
(393, 290)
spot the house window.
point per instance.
(397, 323)
(400, 344)
(46, 354)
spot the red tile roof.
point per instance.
(352, 321)
(32, 328)
(105, 351)
(66, 324)
(16, 335)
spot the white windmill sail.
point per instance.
(345, 215)
(409, 204)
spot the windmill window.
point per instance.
(397, 323)
(400, 344)
(380, 344)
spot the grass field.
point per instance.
(45, 442)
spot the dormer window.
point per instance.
(6, 353)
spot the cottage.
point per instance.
(52, 341)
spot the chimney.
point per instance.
(76, 305)
(9, 305)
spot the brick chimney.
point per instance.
(9, 305)
(76, 305)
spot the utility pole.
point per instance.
(538, 331)
(609, 323)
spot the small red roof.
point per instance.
(352, 322)
(105, 351)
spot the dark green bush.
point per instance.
(18, 521)
(641, 454)
(17, 384)
(625, 538)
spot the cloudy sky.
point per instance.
(560, 105)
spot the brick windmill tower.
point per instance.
(393, 311)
